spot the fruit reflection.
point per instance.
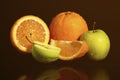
(49, 75)
(68, 73)
(100, 74)
(64, 73)
(24, 77)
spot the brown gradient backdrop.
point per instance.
(105, 12)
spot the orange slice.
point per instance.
(31, 27)
(70, 49)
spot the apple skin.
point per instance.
(98, 43)
(45, 53)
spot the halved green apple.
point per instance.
(45, 52)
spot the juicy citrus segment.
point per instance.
(84, 49)
(28, 26)
(69, 49)
(67, 26)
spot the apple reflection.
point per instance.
(68, 73)
(64, 73)
(100, 74)
(23, 77)
(49, 75)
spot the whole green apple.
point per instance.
(45, 53)
(98, 43)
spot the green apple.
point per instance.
(98, 43)
(45, 52)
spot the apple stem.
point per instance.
(94, 23)
(29, 40)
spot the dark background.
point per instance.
(105, 12)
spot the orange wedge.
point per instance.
(70, 49)
(31, 27)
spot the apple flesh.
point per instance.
(98, 43)
(45, 53)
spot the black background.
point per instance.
(105, 12)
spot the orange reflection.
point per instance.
(64, 73)
(68, 73)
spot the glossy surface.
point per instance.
(18, 66)
(98, 42)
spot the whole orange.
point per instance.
(67, 26)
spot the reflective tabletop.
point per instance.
(16, 66)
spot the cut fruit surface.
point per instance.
(45, 53)
(31, 26)
(70, 49)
